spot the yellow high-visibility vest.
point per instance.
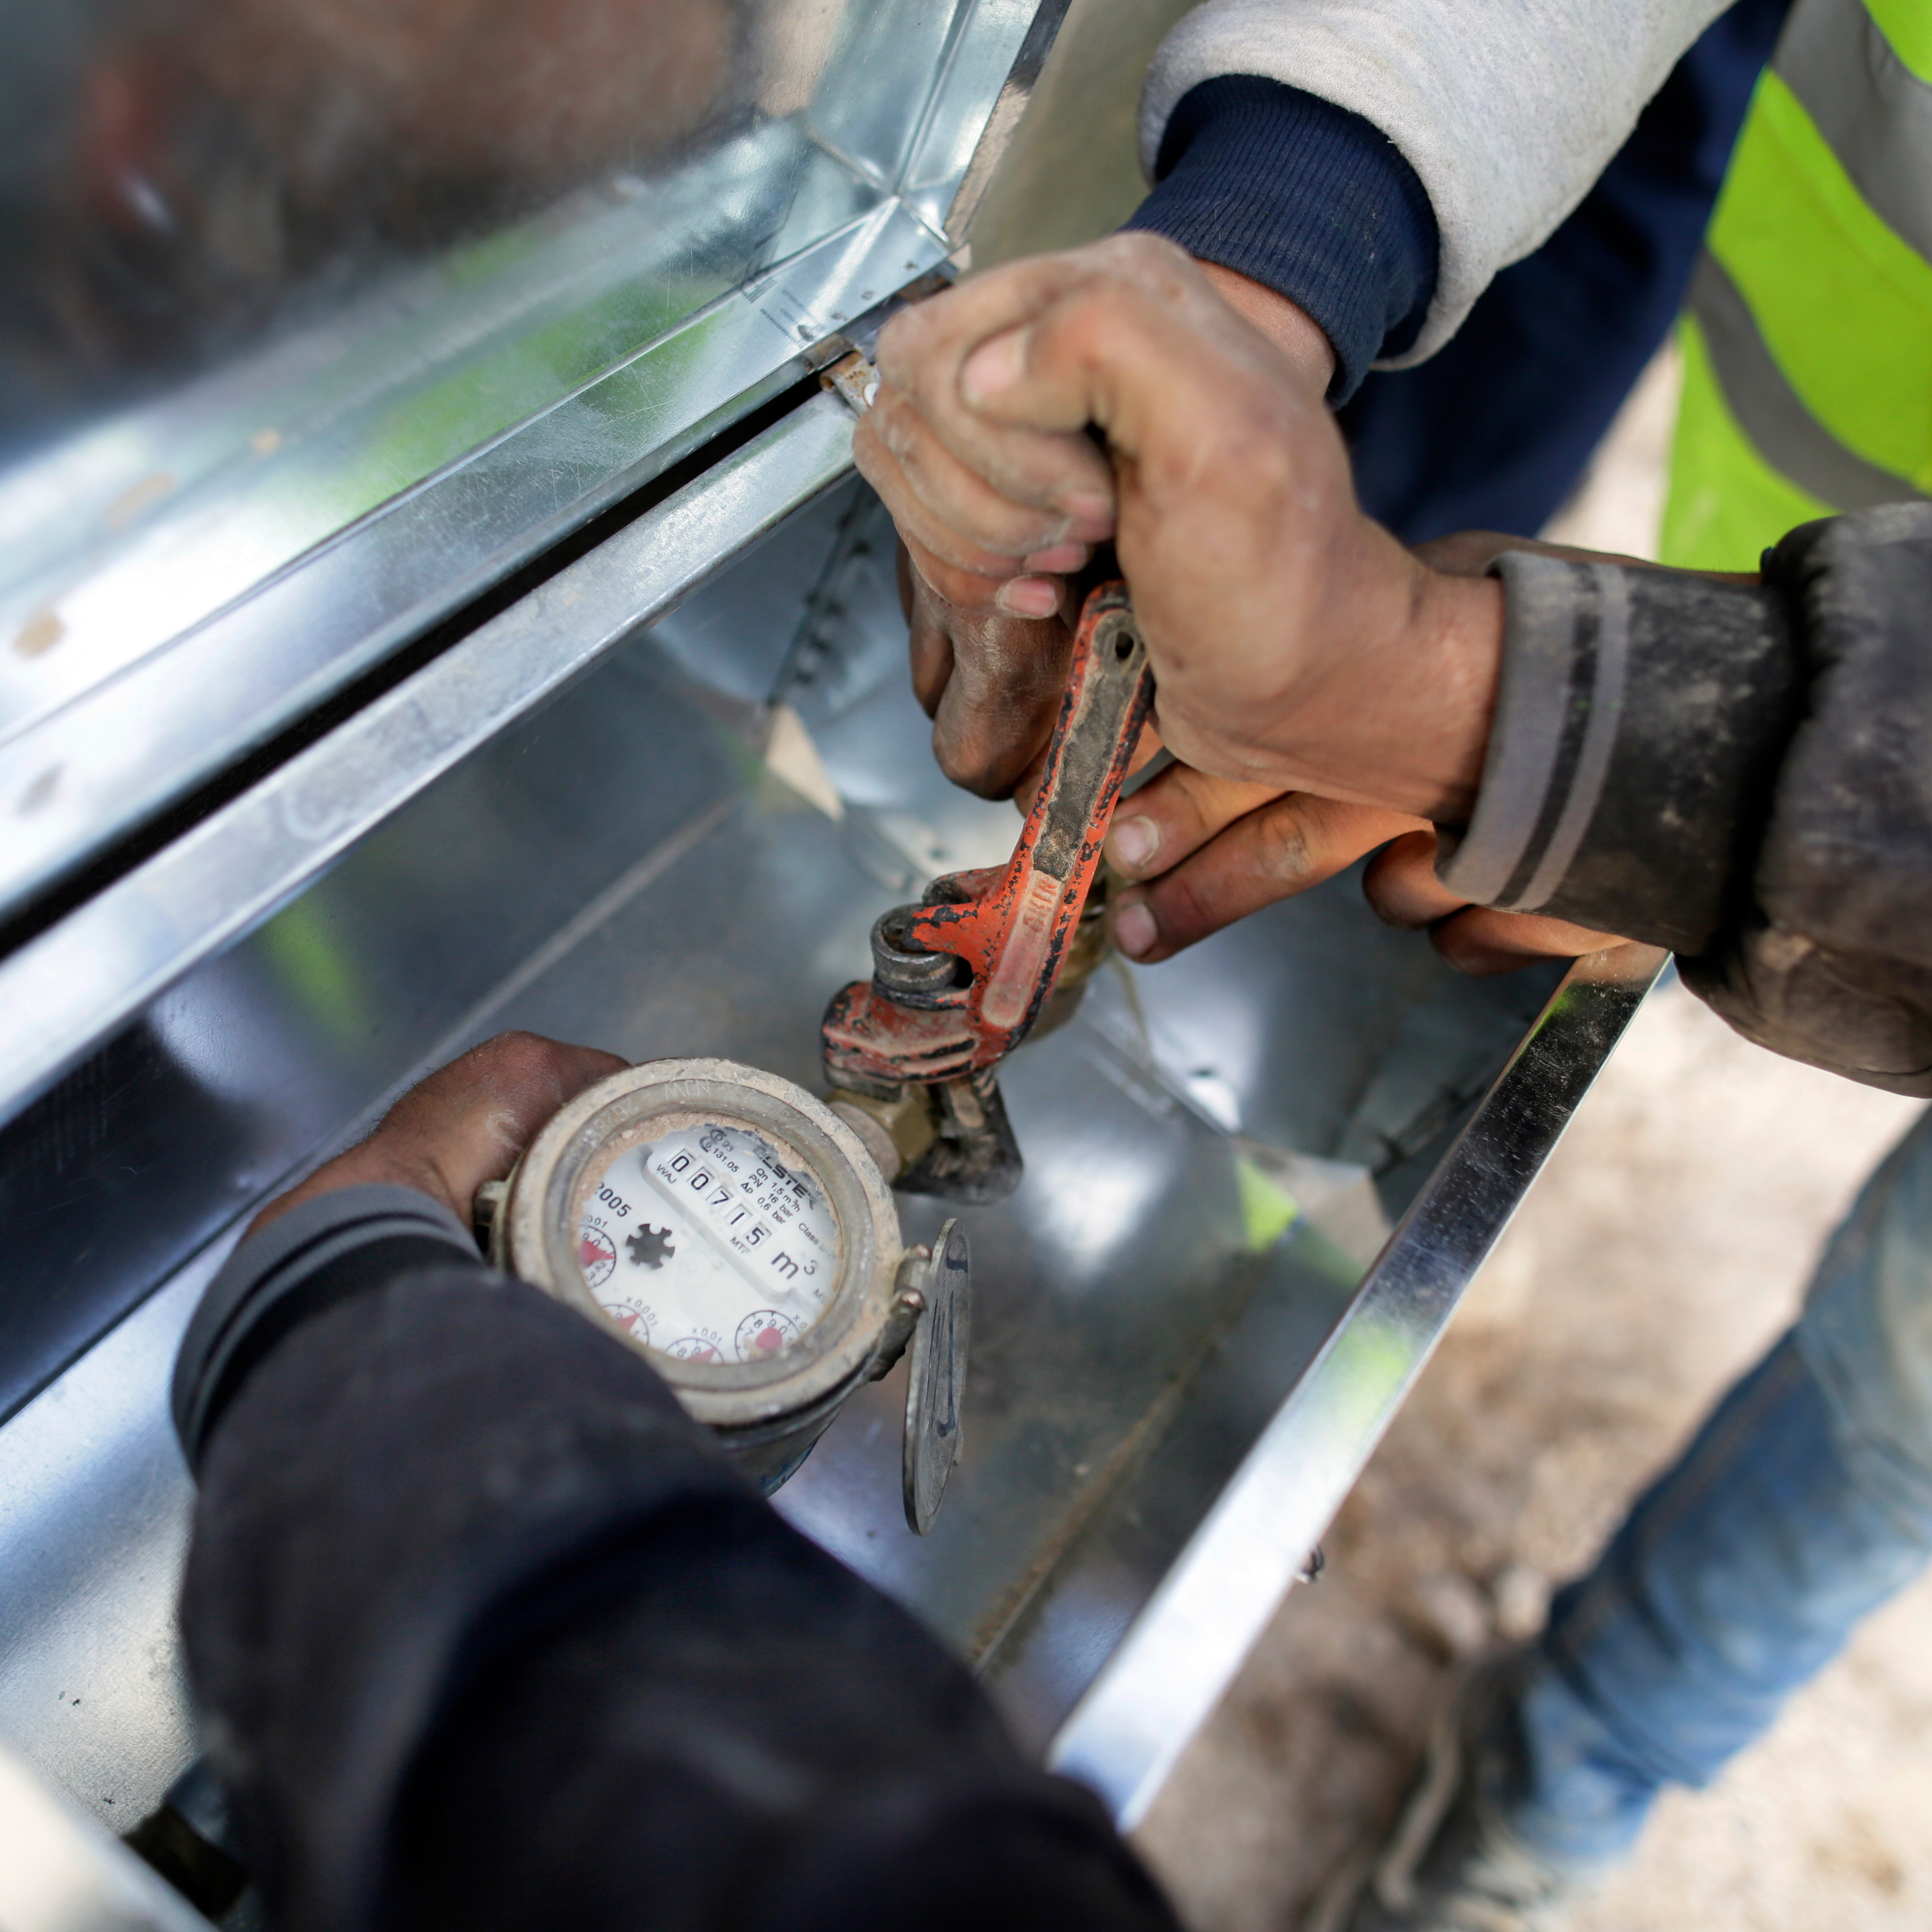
(1807, 340)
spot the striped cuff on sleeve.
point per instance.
(1639, 723)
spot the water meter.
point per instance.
(736, 1231)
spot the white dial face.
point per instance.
(712, 1242)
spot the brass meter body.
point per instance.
(736, 1232)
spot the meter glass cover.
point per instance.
(711, 1241)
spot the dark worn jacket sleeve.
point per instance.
(485, 1632)
(1742, 772)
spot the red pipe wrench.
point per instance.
(960, 979)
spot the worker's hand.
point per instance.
(1202, 852)
(1215, 447)
(990, 648)
(990, 684)
(1205, 852)
(1001, 545)
(1401, 885)
(466, 1124)
(1296, 646)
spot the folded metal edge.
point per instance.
(1161, 1683)
(70, 987)
(187, 703)
(1015, 97)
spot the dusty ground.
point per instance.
(1666, 1244)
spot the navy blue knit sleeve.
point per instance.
(1307, 198)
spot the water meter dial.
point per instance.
(734, 1230)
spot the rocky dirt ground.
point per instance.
(1665, 1246)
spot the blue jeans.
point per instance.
(1805, 1502)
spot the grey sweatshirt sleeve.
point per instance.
(1738, 772)
(1508, 110)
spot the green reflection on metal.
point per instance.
(521, 378)
(1268, 1210)
(312, 963)
(1370, 1366)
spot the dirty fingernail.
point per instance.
(1132, 842)
(1135, 931)
(993, 368)
(1028, 597)
(1060, 557)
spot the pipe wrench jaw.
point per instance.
(960, 979)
